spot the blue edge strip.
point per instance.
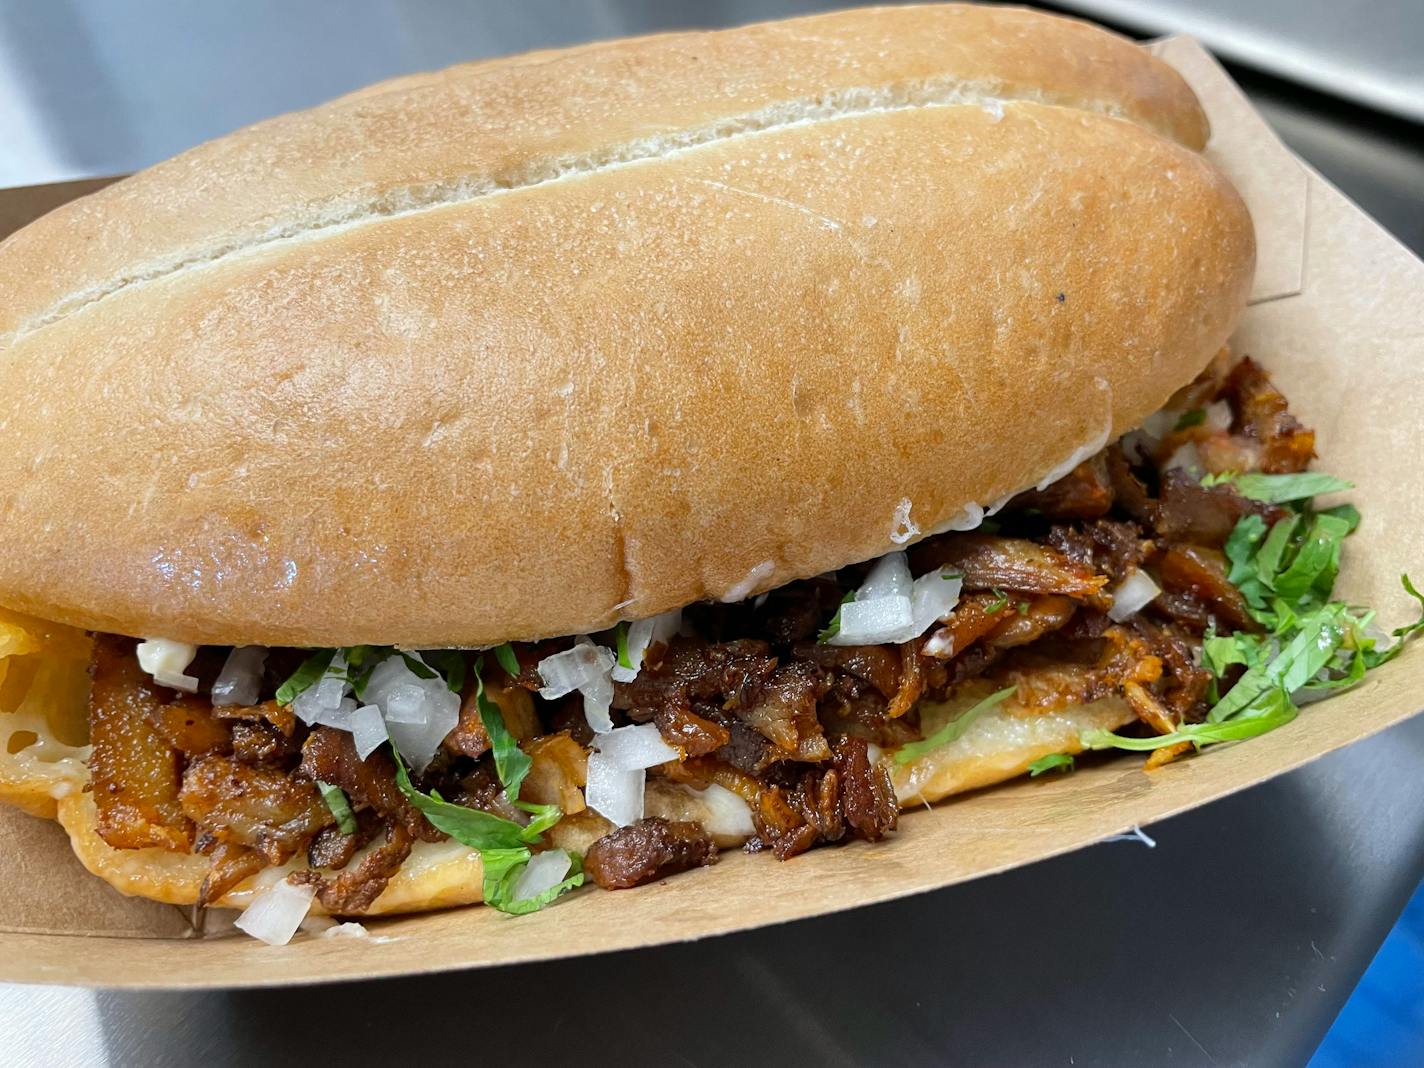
(1383, 1022)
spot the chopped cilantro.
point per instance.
(1310, 642)
(503, 845)
(340, 807)
(953, 730)
(421, 671)
(507, 660)
(1023, 607)
(306, 676)
(1053, 761)
(1000, 599)
(1277, 711)
(621, 636)
(451, 664)
(476, 829)
(1190, 418)
(510, 762)
(1348, 512)
(502, 869)
(1277, 489)
(834, 626)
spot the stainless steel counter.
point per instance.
(1234, 941)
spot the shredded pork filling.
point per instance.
(747, 695)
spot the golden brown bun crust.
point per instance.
(527, 405)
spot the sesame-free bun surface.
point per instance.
(523, 347)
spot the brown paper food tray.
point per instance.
(1337, 315)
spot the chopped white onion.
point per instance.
(597, 700)
(875, 622)
(275, 914)
(632, 748)
(240, 680)
(573, 669)
(544, 871)
(727, 813)
(1187, 458)
(873, 753)
(641, 634)
(338, 717)
(1131, 595)
(1138, 446)
(405, 703)
(586, 668)
(613, 792)
(1218, 416)
(934, 597)
(891, 608)
(418, 713)
(889, 577)
(368, 730)
(1160, 423)
(332, 685)
(323, 699)
(167, 661)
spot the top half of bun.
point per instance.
(523, 347)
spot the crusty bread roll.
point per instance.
(524, 347)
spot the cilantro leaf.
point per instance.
(1316, 562)
(621, 636)
(1190, 418)
(1372, 658)
(952, 730)
(502, 869)
(1221, 651)
(834, 626)
(469, 826)
(502, 844)
(335, 798)
(1241, 546)
(1059, 761)
(507, 660)
(1311, 644)
(361, 660)
(1278, 489)
(451, 664)
(358, 656)
(1272, 556)
(511, 762)
(306, 676)
(1348, 512)
(1000, 599)
(545, 816)
(1276, 711)
(421, 671)
(1310, 650)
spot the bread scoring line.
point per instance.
(406, 201)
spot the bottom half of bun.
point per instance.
(1000, 745)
